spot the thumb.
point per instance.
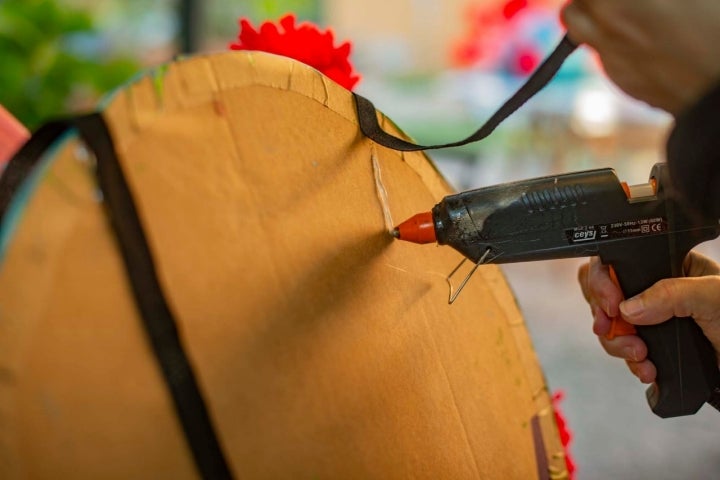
(695, 297)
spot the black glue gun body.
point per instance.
(642, 231)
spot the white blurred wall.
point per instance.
(400, 35)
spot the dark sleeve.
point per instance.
(693, 154)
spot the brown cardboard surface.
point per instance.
(324, 348)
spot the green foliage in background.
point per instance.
(52, 60)
(58, 56)
(223, 15)
(268, 9)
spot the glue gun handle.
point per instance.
(685, 360)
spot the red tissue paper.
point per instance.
(305, 43)
(565, 434)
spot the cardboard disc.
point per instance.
(323, 348)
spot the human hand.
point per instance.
(12, 135)
(695, 295)
(662, 52)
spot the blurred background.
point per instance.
(438, 68)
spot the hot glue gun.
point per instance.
(642, 232)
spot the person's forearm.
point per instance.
(12, 136)
(693, 153)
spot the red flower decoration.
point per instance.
(305, 43)
(565, 434)
(512, 7)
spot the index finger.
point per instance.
(600, 288)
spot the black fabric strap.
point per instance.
(367, 115)
(23, 163)
(541, 458)
(157, 317)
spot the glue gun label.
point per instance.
(608, 231)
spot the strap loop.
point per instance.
(367, 115)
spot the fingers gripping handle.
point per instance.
(618, 326)
(685, 360)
